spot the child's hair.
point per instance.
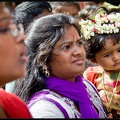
(99, 27)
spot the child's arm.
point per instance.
(90, 74)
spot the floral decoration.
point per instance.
(102, 23)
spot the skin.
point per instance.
(66, 9)
(71, 10)
(5, 17)
(68, 58)
(12, 50)
(109, 58)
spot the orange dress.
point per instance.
(13, 106)
(108, 86)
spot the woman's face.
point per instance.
(68, 57)
(12, 50)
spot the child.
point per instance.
(102, 34)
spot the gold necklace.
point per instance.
(112, 96)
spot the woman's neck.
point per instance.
(72, 78)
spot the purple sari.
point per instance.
(75, 91)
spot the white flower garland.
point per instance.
(100, 25)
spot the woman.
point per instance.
(25, 13)
(53, 87)
(12, 65)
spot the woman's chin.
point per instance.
(21, 73)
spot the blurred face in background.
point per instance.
(5, 16)
(12, 49)
(70, 10)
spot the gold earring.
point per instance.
(45, 71)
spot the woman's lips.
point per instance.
(78, 61)
(23, 57)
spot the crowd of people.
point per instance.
(59, 61)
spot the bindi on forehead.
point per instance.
(75, 39)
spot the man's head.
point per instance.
(26, 12)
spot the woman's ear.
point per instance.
(41, 60)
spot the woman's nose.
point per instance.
(20, 38)
(21, 35)
(78, 50)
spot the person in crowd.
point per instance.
(12, 64)
(25, 13)
(70, 8)
(102, 34)
(53, 86)
(10, 5)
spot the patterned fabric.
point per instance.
(107, 84)
(49, 95)
(95, 98)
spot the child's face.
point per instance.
(109, 58)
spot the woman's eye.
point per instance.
(119, 50)
(66, 47)
(79, 43)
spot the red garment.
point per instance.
(13, 106)
(92, 73)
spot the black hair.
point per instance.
(40, 40)
(25, 12)
(98, 42)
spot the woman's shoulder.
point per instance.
(51, 101)
(44, 94)
(13, 106)
(43, 108)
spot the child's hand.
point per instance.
(110, 116)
